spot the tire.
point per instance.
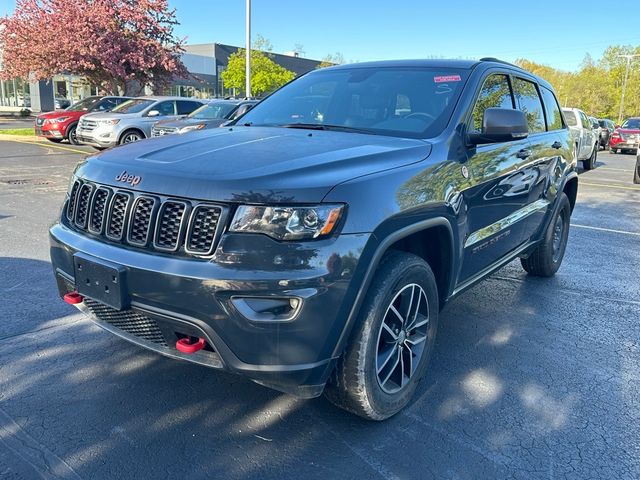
(130, 136)
(590, 163)
(636, 174)
(71, 135)
(55, 140)
(380, 347)
(546, 259)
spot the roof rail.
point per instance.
(497, 60)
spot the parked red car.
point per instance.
(61, 124)
(626, 136)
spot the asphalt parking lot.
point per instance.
(531, 378)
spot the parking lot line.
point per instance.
(610, 230)
(46, 145)
(616, 169)
(607, 185)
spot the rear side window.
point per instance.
(495, 93)
(554, 119)
(185, 107)
(529, 103)
(570, 117)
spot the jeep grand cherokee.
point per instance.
(311, 246)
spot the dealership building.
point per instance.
(205, 62)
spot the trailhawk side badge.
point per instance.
(128, 178)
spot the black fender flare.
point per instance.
(380, 250)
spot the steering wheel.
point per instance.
(422, 116)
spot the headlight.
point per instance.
(58, 120)
(190, 128)
(108, 122)
(287, 223)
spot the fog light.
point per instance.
(267, 309)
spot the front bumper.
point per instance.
(101, 136)
(50, 132)
(193, 297)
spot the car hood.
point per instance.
(60, 113)
(251, 164)
(110, 115)
(183, 122)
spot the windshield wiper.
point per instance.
(324, 126)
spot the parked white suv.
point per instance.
(586, 139)
(132, 120)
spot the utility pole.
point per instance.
(248, 51)
(624, 84)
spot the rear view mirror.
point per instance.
(501, 125)
(153, 113)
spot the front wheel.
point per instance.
(130, 137)
(389, 350)
(546, 259)
(71, 135)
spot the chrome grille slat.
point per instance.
(140, 222)
(118, 215)
(99, 207)
(83, 205)
(181, 227)
(202, 229)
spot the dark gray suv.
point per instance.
(312, 246)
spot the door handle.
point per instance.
(556, 144)
(524, 153)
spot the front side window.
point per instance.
(165, 108)
(495, 93)
(370, 100)
(529, 103)
(136, 105)
(554, 119)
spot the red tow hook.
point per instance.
(184, 345)
(73, 298)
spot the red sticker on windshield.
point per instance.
(447, 78)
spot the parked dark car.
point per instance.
(311, 245)
(211, 115)
(61, 125)
(607, 127)
(626, 137)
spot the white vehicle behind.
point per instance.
(585, 137)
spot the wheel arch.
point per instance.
(570, 189)
(131, 129)
(438, 233)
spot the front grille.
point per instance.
(128, 321)
(161, 131)
(87, 125)
(182, 227)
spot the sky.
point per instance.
(555, 33)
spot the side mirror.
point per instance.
(501, 125)
(153, 113)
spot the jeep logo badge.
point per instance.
(128, 178)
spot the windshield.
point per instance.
(570, 117)
(84, 105)
(133, 106)
(212, 111)
(633, 123)
(405, 102)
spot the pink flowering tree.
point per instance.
(118, 45)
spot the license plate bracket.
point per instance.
(101, 281)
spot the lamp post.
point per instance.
(624, 84)
(248, 51)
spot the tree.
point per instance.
(118, 45)
(329, 60)
(266, 75)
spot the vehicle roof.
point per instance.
(442, 63)
(155, 98)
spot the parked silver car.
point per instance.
(586, 139)
(131, 121)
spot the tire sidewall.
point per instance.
(71, 133)
(385, 404)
